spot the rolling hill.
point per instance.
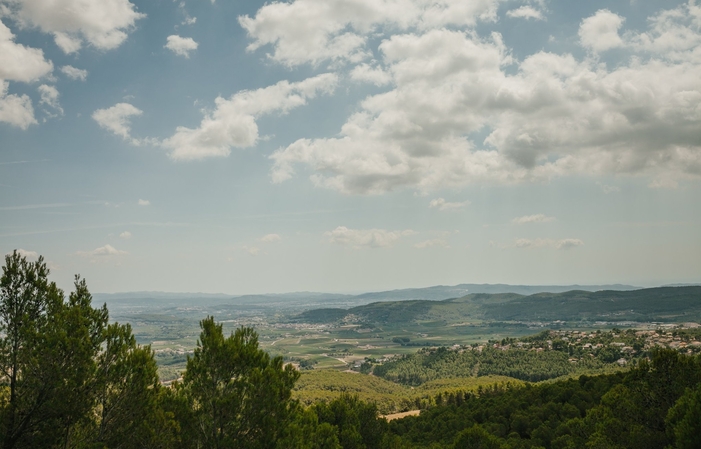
(662, 304)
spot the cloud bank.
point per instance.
(546, 116)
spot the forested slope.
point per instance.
(662, 304)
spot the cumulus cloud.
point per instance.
(181, 46)
(20, 63)
(443, 205)
(103, 251)
(365, 238)
(144, 202)
(103, 24)
(74, 73)
(126, 235)
(23, 64)
(233, 122)
(546, 116)
(434, 243)
(30, 255)
(270, 238)
(600, 31)
(15, 110)
(49, 97)
(117, 120)
(526, 12)
(548, 243)
(537, 218)
(311, 31)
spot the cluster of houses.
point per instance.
(627, 344)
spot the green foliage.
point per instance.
(70, 380)
(684, 420)
(47, 355)
(476, 438)
(532, 366)
(624, 410)
(327, 385)
(233, 395)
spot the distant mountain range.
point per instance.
(437, 292)
(661, 304)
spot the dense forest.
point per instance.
(431, 364)
(70, 379)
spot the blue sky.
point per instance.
(351, 145)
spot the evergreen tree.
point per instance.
(47, 355)
(233, 395)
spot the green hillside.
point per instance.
(327, 385)
(663, 304)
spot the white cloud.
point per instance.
(144, 202)
(439, 243)
(252, 250)
(537, 218)
(181, 46)
(74, 73)
(600, 31)
(375, 75)
(20, 63)
(548, 243)
(15, 109)
(673, 34)
(117, 118)
(365, 238)
(103, 251)
(104, 24)
(443, 205)
(67, 43)
(526, 12)
(311, 31)
(49, 97)
(233, 122)
(126, 235)
(547, 116)
(30, 255)
(269, 238)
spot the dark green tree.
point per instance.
(684, 420)
(233, 395)
(128, 396)
(47, 355)
(476, 438)
(357, 423)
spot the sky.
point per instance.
(351, 145)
